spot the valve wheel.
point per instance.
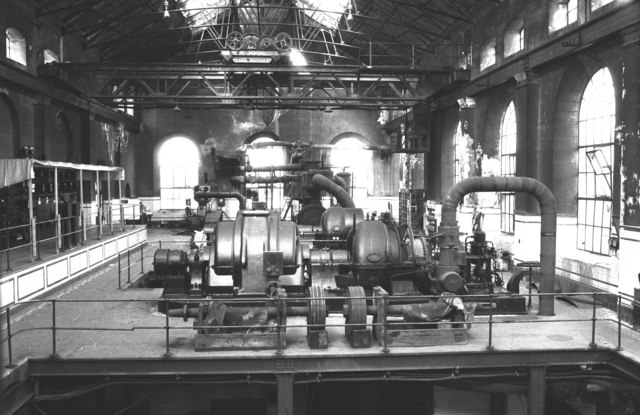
(357, 307)
(283, 41)
(317, 309)
(235, 41)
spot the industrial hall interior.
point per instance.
(279, 207)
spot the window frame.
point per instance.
(15, 39)
(596, 134)
(508, 151)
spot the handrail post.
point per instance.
(167, 352)
(385, 321)
(34, 240)
(8, 250)
(83, 233)
(58, 234)
(490, 345)
(141, 259)
(121, 217)
(619, 323)
(129, 266)
(54, 329)
(593, 324)
(278, 325)
(119, 273)
(9, 347)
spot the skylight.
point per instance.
(200, 14)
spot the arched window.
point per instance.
(50, 56)
(179, 160)
(508, 167)
(514, 37)
(16, 46)
(595, 162)
(562, 13)
(488, 55)
(263, 151)
(351, 155)
(460, 146)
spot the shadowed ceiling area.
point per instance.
(325, 32)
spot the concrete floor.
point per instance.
(95, 319)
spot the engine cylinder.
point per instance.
(339, 221)
(169, 261)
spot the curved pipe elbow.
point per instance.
(341, 195)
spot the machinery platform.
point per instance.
(93, 328)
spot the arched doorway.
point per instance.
(262, 151)
(350, 154)
(178, 162)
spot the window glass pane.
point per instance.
(16, 46)
(596, 132)
(508, 140)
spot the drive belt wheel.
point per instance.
(283, 41)
(357, 308)
(266, 43)
(235, 41)
(317, 309)
(251, 41)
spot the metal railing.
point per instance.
(64, 232)
(481, 328)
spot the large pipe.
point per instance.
(548, 219)
(225, 195)
(341, 195)
(340, 182)
(280, 167)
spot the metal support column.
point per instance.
(536, 390)
(83, 221)
(56, 204)
(98, 198)
(109, 207)
(32, 220)
(285, 394)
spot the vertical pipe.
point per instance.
(129, 266)
(141, 259)
(547, 227)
